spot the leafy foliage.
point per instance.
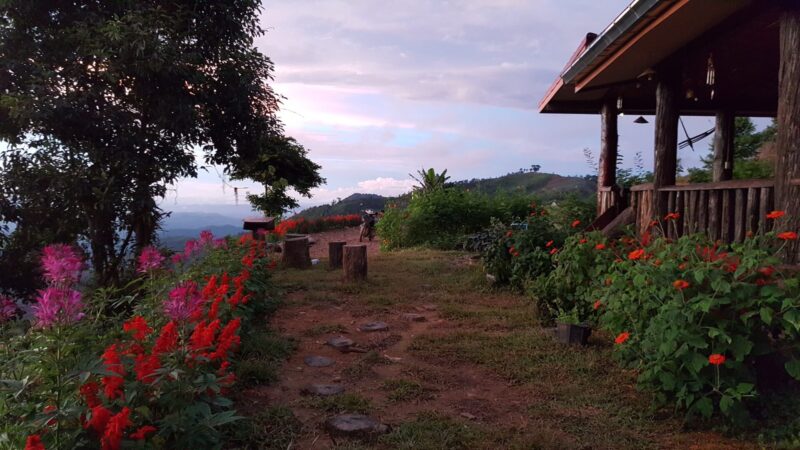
(746, 144)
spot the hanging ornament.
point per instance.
(711, 74)
(619, 106)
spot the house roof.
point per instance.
(622, 60)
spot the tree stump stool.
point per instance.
(335, 254)
(355, 262)
(296, 254)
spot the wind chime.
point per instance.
(710, 74)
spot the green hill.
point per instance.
(546, 186)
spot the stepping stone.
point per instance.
(374, 326)
(340, 343)
(318, 361)
(323, 390)
(412, 317)
(355, 426)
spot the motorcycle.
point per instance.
(368, 220)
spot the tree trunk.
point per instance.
(666, 138)
(722, 167)
(788, 124)
(609, 138)
(296, 254)
(335, 254)
(355, 262)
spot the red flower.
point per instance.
(145, 367)
(682, 266)
(597, 305)
(652, 223)
(168, 339)
(716, 359)
(575, 223)
(138, 326)
(210, 288)
(112, 437)
(767, 271)
(636, 254)
(554, 251)
(680, 284)
(583, 241)
(622, 337)
(113, 384)
(99, 419)
(548, 244)
(776, 215)
(228, 339)
(34, 442)
(89, 393)
(203, 335)
(142, 432)
(672, 216)
(788, 236)
(511, 250)
(509, 233)
(600, 246)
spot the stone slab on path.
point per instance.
(322, 390)
(318, 361)
(374, 326)
(340, 343)
(413, 317)
(355, 426)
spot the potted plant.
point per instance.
(570, 329)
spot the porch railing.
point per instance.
(727, 210)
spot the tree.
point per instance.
(746, 144)
(429, 180)
(126, 92)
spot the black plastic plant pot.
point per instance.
(568, 333)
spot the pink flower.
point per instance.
(8, 308)
(177, 258)
(190, 247)
(220, 243)
(183, 301)
(149, 259)
(206, 237)
(58, 306)
(61, 264)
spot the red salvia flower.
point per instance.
(680, 284)
(34, 442)
(716, 359)
(228, 339)
(622, 337)
(100, 415)
(145, 367)
(112, 385)
(115, 430)
(203, 335)
(776, 215)
(89, 392)
(142, 432)
(787, 236)
(168, 339)
(138, 326)
(210, 288)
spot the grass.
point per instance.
(363, 367)
(275, 428)
(337, 404)
(405, 390)
(263, 352)
(320, 330)
(432, 431)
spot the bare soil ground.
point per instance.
(478, 373)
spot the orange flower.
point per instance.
(583, 241)
(600, 246)
(548, 244)
(672, 216)
(575, 223)
(636, 254)
(767, 271)
(776, 215)
(682, 266)
(680, 284)
(597, 305)
(716, 359)
(622, 337)
(788, 236)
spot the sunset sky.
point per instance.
(376, 90)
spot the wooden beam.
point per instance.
(722, 167)
(666, 137)
(788, 122)
(609, 138)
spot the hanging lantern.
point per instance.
(711, 74)
(619, 106)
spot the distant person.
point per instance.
(368, 219)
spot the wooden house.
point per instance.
(668, 58)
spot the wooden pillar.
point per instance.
(335, 254)
(355, 262)
(787, 167)
(666, 137)
(722, 167)
(609, 143)
(296, 254)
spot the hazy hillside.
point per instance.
(350, 205)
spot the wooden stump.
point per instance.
(295, 253)
(335, 254)
(355, 262)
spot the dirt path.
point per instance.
(474, 372)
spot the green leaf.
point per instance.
(744, 388)
(793, 368)
(766, 315)
(741, 347)
(792, 316)
(704, 406)
(725, 403)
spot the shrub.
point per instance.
(306, 226)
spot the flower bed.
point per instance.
(146, 366)
(304, 226)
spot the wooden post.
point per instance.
(296, 254)
(788, 122)
(355, 262)
(722, 167)
(666, 138)
(335, 253)
(609, 138)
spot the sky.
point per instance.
(378, 90)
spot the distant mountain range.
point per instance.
(179, 227)
(350, 205)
